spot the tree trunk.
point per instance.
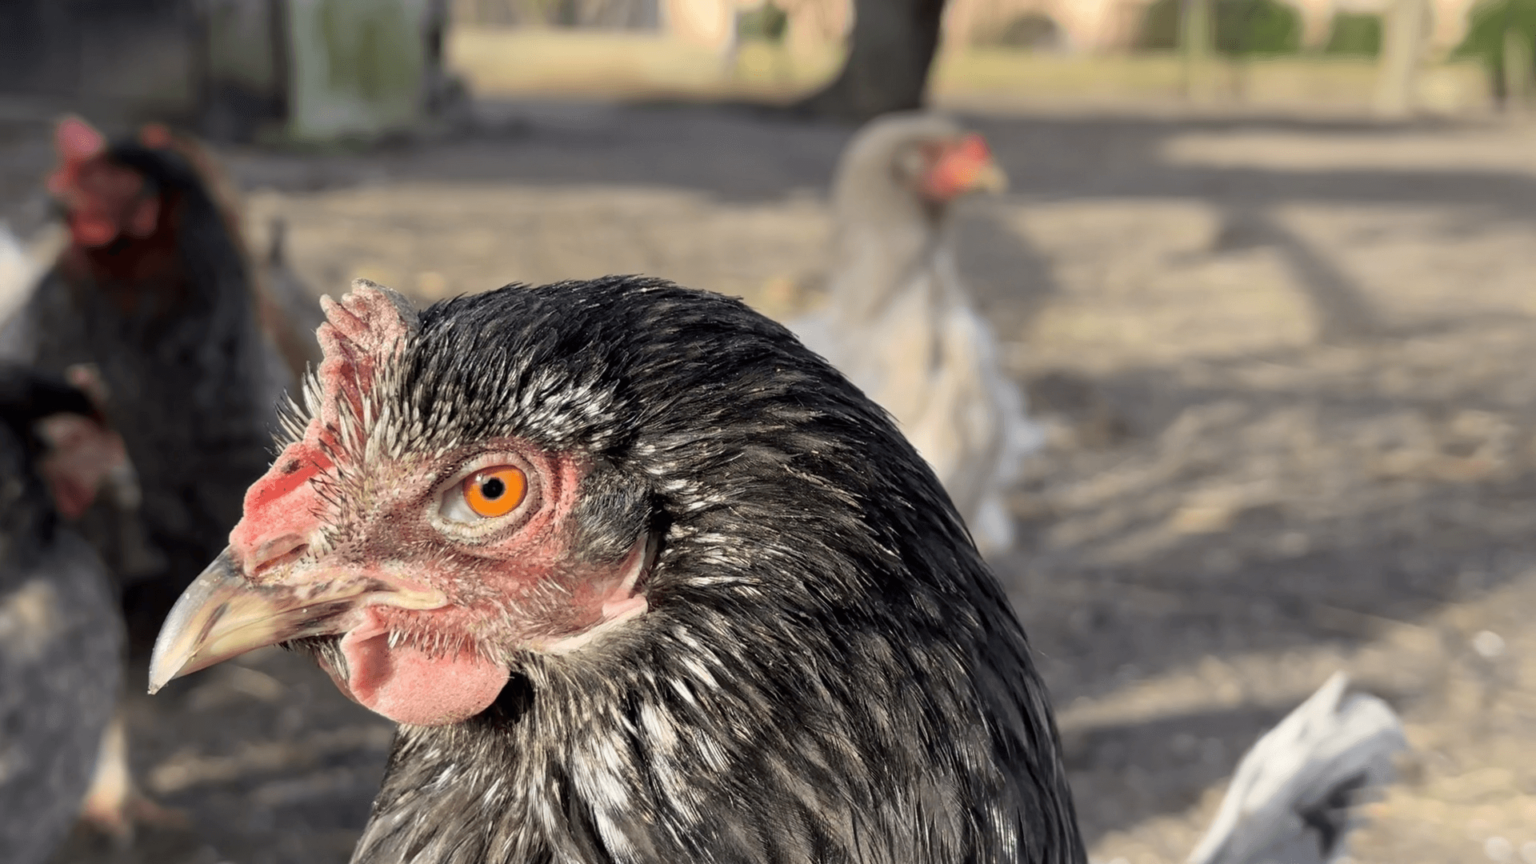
(1402, 49)
(892, 48)
(1517, 71)
(1197, 46)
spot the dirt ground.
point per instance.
(1286, 362)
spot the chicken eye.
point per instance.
(494, 491)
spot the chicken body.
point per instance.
(61, 639)
(901, 325)
(732, 615)
(154, 292)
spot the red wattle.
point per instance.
(408, 686)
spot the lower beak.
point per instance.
(223, 615)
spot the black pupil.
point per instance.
(492, 488)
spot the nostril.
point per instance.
(278, 550)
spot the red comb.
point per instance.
(78, 140)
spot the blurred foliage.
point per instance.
(1032, 30)
(765, 23)
(1356, 34)
(600, 14)
(1489, 21)
(1242, 27)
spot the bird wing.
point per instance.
(1289, 800)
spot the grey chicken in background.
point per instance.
(61, 635)
(901, 324)
(1291, 800)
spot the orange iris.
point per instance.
(495, 491)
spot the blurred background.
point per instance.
(1264, 272)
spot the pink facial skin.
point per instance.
(505, 583)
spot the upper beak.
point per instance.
(223, 614)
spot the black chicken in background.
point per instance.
(642, 579)
(61, 637)
(155, 290)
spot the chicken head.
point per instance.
(408, 558)
(102, 200)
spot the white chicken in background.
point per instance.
(900, 323)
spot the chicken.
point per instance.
(155, 291)
(642, 579)
(900, 323)
(61, 639)
(1290, 800)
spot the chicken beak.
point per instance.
(223, 614)
(989, 177)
